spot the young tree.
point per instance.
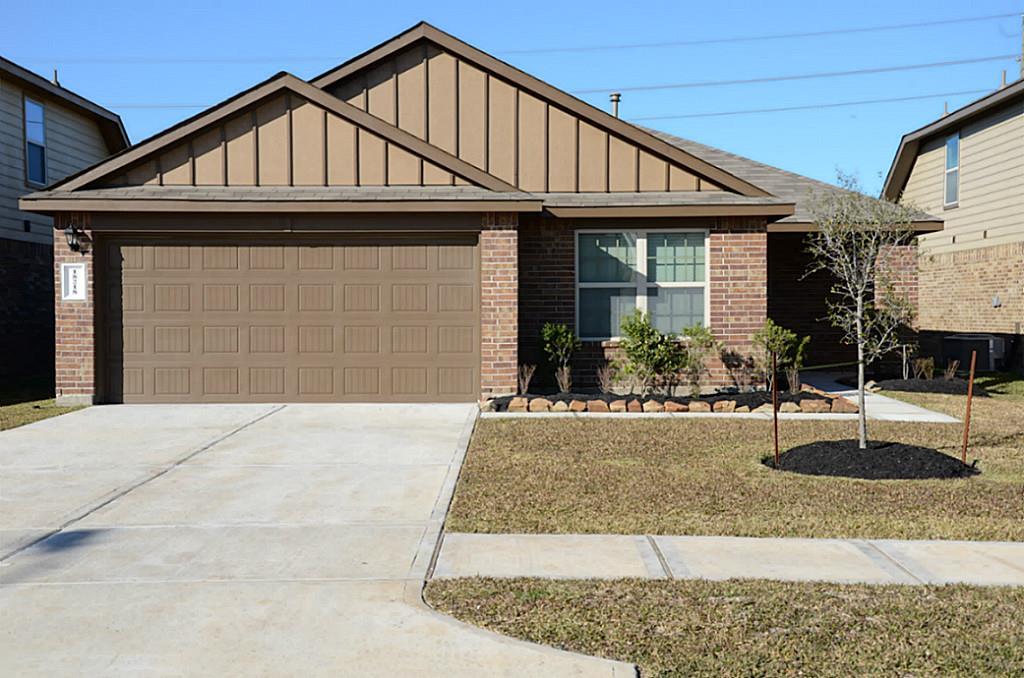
(854, 242)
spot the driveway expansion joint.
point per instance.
(118, 494)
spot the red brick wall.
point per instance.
(738, 272)
(75, 347)
(26, 310)
(499, 316)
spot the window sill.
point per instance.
(951, 206)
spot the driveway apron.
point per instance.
(239, 540)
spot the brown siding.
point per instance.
(505, 130)
(289, 141)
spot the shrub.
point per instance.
(924, 368)
(650, 355)
(788, 348)
(525, 376)
(606, 375)
(560, 342)
(698, 344)
(951, 369)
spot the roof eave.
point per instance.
(50, 206)
(919, 227)
(770, 212)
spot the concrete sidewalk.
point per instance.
(870, 561)
(879, 407)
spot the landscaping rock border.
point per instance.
(809, 400)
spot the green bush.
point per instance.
(560, 342)
(655, 359)
(788, 348)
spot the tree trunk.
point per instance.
(862, 416)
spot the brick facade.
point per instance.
(738, 287)
(499, 313)
(26, 310)
(75, 348)
(976, 276)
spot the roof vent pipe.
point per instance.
(615, 98)
(55, 81)
(1003, 84)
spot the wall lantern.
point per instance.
(72, 234)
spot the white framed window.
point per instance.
(35, 142)
(661, 272)
(951, 178)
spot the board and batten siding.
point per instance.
(286, 141)
(505, 130)
(991, 206)
(73, 142)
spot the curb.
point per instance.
(426, 556)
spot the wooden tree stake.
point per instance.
(775, 408)
(967, 417)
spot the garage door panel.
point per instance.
(349, 320)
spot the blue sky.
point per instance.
(128, 54)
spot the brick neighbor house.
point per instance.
(398, 229)
(46, 133)
(968, 166)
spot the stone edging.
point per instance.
(824, 403)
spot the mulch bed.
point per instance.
(752, 399)
(955, 386)
(880, 461)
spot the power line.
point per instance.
(808, 107)
(150, 60)
(758, 38)
(701, 83)
(800, 76)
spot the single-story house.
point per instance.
(398, 229)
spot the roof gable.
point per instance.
(283, 132)
(910, 144)
(511, 124)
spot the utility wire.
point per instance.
(800, 76)
(807, 107)
(149, 60)
(758, 38)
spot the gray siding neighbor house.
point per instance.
(46, 133)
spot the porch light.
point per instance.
(71, 233)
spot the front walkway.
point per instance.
(239, 540)
(870, 561)
(878, 406)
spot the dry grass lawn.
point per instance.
(23, 401)
(744, 628)
(705, 477)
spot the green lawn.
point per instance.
(24, 401)
(746, 628)
(704, 477)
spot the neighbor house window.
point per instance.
(952, 190)
(661, 272)
(35, 142)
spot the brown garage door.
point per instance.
(271, 321)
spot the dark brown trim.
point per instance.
(54, 205)
(806, 227)
(543, 90)
(775, 210)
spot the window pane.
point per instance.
(953, 152)
(607, 257)
(674, 308)
(602, 310)
(35, 157)
(952, 187)
(675, 257)
(34, 129)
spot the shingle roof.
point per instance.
(653, 198)
(788, 186)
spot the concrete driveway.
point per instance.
(239, 540)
